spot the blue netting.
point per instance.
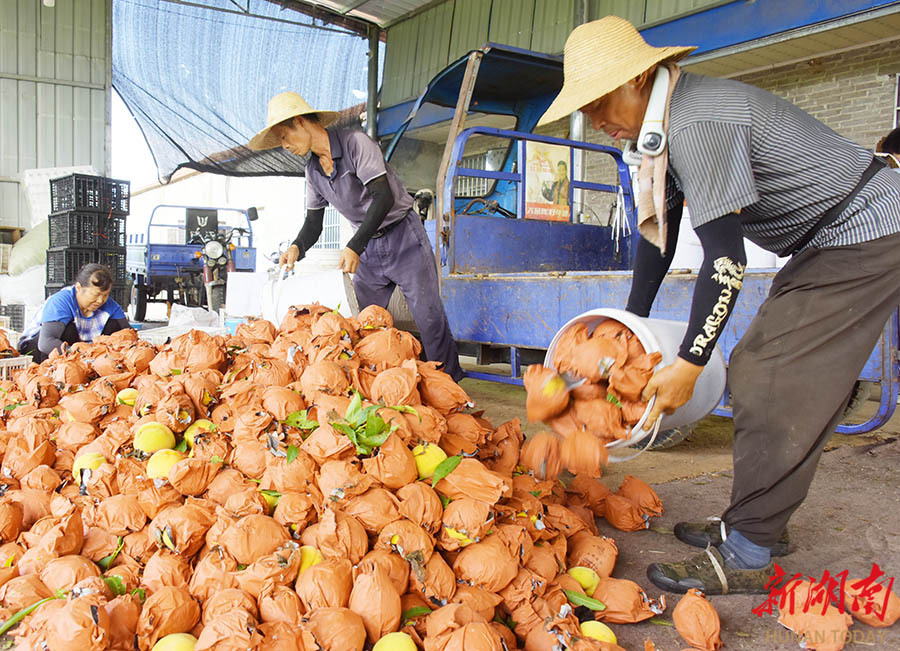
(197, 81)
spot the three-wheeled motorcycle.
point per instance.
(184, 255)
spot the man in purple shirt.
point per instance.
(390, 247)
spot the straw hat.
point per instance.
(283, 107)
(599, 57)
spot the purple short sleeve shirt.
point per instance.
(357, 160)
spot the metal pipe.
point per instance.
(54, 82)
(576, 132)
(372, 96)
(107, 92)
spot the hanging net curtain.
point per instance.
(197, 81)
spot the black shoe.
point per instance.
(708, 573)
(709, 533)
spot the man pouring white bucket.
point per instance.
(748, 164)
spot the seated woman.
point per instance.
(78, 313)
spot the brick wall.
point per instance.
(854, 93)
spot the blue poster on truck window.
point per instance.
(200, 225)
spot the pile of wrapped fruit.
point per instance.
(590, 397)
(310, 488)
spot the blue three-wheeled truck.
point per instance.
(509, 280)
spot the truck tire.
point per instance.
(137, 305)
(668, 438)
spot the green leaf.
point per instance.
(583, 600)
(182, 445)
(375, 425)
(115, 583)
(300, 420)
(345, 429)
(611, 398)
(25, 612)
(444, 500)
(353, 408)
(107, 561)
(141, 594)
(292, 452)
(175, 371)
(535, 493)
(412, 613)
(216, 459)
(9, 561)
(662, 622)
(241, 567)
(444, 468)
(11, 407)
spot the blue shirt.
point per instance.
(357, 160)
(63, 307)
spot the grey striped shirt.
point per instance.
(737, 147)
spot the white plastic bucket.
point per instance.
(658, 335)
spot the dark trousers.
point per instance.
(403, 258)
(792, 373)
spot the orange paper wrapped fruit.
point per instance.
(546, 393)
(542, 453)
(641, 494)
(168, 610)
(624, 514)
(338, 628)
(626, 602)
(456, 627)
(871, 602)
(78, 625)
(822, 629)
(325, 585)
(375, 599)
(293, 531)
(697, 621)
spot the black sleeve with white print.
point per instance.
(716, 290)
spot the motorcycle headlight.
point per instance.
(213, 249)
(210, 262)
(222, 260)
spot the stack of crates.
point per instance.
(87, 224)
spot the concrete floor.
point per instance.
(849, 521)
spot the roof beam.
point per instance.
(318, 11)
(353, 5)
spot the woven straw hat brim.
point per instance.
(285, 106)
(599, 57)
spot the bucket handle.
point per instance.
(655, 430)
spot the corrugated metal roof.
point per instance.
(380, 12)
(800, 45)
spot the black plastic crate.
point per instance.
(119, 293)
(85, 192)
(115, 260)
(16, 314)
(87, 229)
(63, 264)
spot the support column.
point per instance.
(372, 95)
